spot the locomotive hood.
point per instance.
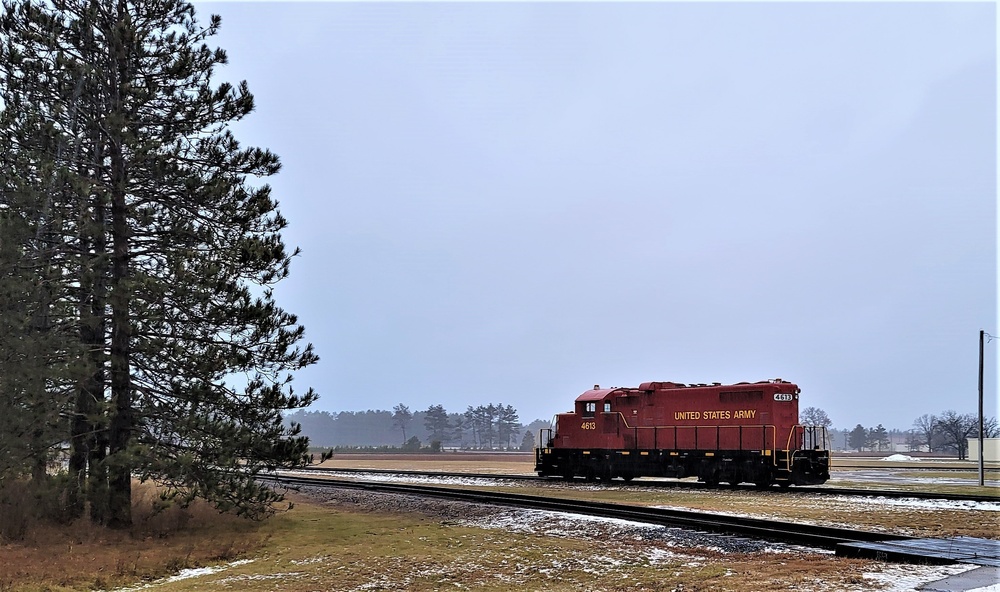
(595, 394)
(600, 394)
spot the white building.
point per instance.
(991, 449)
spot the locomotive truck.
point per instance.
(744, 432)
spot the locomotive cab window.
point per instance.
(590, 409)
(607, 407)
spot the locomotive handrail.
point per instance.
(791, 433)
(812, 438)
(798, 449)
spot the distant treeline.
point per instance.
(485, 427)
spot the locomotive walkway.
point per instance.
(845, 542)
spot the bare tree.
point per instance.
(955, 429)
(914, 441)
(924, 430)
(990, 428)
(814, 416)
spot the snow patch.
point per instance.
(900, 458)
(904, 578)
(399, 478)
(186, 574)
(919, 504)
(260, 577)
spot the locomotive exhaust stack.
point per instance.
(746, 432)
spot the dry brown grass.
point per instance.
(84, 556)
(354, 546)
(353, 543)
(351, 546)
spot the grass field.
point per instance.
(364, 541)
(356, 545)
(85, 557)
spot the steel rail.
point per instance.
(822, 490)
(785, 532)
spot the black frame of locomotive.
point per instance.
(809, 465)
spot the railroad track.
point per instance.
(823, 490)
(823, 537)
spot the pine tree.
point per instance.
(858, 437)
(437, 424)
(38, 204)
(30, 426)
(879, 437)
(479, 421)
(527, 441)
(507, 424)
(401, 417)
(176, 254)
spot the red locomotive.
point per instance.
(745, 432)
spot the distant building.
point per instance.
(991, 449)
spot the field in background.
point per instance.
(505, 463)
(517, 463)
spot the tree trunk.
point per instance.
(81, 426)
(97, 440)
(122, 414)
(79, 451)
(120, 431)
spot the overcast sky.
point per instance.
(512, 202)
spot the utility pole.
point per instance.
(982, 474)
